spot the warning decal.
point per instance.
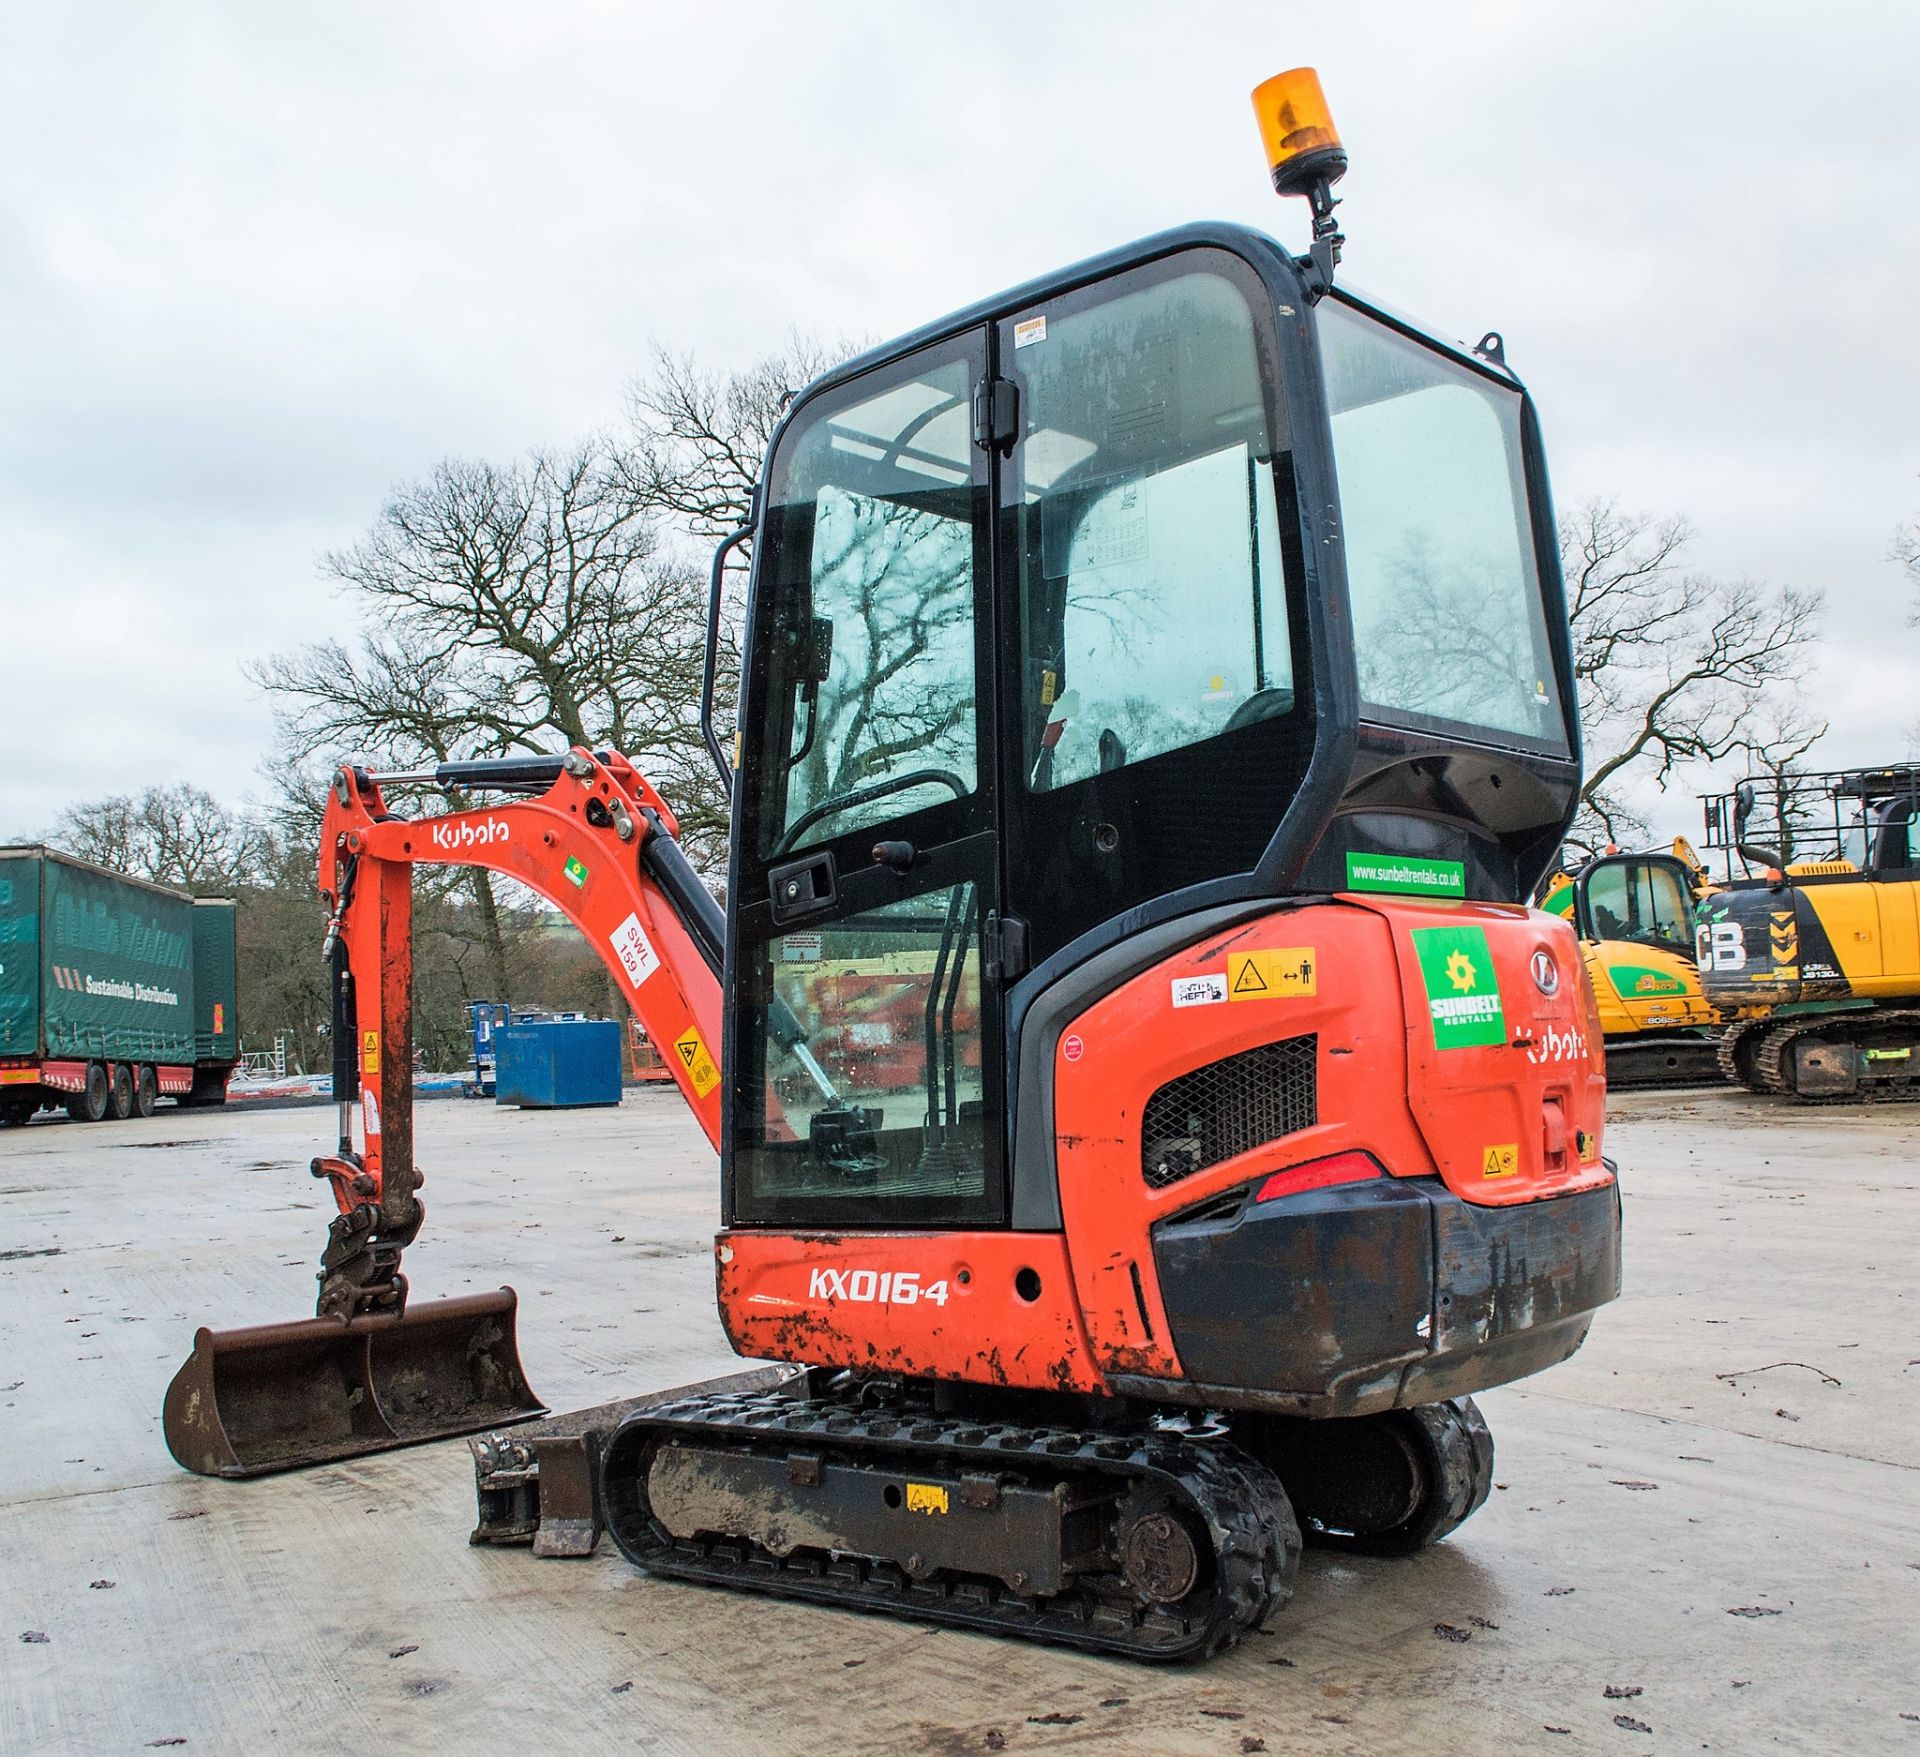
(369, 1052)
(1500, 1161)
(1259, 976)
(926, 1497)
(699, 1065)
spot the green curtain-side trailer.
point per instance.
(113, 992)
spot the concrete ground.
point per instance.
(1706, 1533)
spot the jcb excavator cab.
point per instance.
(1635, 917)
(1139, 597)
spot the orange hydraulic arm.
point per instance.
(593, 838)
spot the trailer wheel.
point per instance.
(14, 1112)
(146, 1092)
(119, 1092)
(91, 1105)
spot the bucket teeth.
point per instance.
(280, 1396)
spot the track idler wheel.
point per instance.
(1388, 1484)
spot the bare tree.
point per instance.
(700, 436)
(1906, 551)
(1673, 666)
(177, 835)
(524, 608)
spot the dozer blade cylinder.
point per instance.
(280, 1396)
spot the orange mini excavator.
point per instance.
(1145, 1107)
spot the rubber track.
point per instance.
(1460, 1443)
(1742, 1031)
(1256, 1541)
(1465, 1444)
(1771, 1062)
(1624, 1052)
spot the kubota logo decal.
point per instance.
(887, 1287)
(470, 835)
(1569, 1045)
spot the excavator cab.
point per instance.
(1150, 590)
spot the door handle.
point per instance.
(802, 887)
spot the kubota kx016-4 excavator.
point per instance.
(1145, 1106)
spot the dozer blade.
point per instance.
(280, 1396)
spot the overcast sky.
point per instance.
(258, 263)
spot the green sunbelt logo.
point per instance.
(1463, 994)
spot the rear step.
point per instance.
(281, 1396)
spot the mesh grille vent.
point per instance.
(1228, 1107)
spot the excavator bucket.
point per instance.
(280, 1396)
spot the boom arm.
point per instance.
(599, 844)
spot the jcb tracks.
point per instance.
(1656, 1063)
(1139, 1544)
(1775, 1063)
(1738, 1046)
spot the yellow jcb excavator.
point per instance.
(1634, 914)
(1816, 956)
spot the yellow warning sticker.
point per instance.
(1500, 1161)
(1259, 976)
(926, 1497)
(369, 1052)
(699, 1065)
(1588, 1144)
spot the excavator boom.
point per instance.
(593, 838)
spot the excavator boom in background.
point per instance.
(1146, 1108)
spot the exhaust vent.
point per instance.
(1227, 1107)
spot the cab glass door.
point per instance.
(865, 1043)
(1160, 705)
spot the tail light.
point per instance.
(1337, 1168)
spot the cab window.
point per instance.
(874, 650)
(1643, 904)
(1154, 600)
(1449, 626)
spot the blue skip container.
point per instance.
(557, 1064)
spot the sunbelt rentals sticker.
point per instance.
(1463, 994)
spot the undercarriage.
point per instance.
(1096, 1524)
